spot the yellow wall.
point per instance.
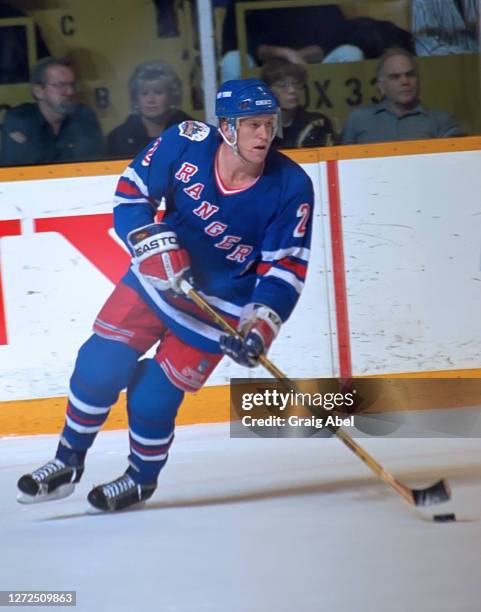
(106, 40)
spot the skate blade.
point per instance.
(63, 491)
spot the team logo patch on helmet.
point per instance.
(194, 130)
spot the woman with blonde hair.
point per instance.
(155, 92)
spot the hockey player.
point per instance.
(237, 222)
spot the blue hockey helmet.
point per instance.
(244, 98)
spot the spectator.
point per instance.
(443, 27)
(400, 116)
(155, 92)
(296, 34)
(299, 127)
(54, 128)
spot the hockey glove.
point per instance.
(161, 260)
(259, 325)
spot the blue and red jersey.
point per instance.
(246, 245)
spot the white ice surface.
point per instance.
(252, 525)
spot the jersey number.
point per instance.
(302, 212)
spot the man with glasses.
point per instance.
(55, 128)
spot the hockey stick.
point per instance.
(434, 494)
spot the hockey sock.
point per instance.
(152, 402)
(103, 368)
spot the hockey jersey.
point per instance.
(246, 245)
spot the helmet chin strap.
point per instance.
(233, 125)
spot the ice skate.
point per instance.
(54, 480)
(119, 494)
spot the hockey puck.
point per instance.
(444, 518)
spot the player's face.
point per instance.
(399, 81)
(153, 99)
(58, 91)
(288, 92)
(254, 137)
